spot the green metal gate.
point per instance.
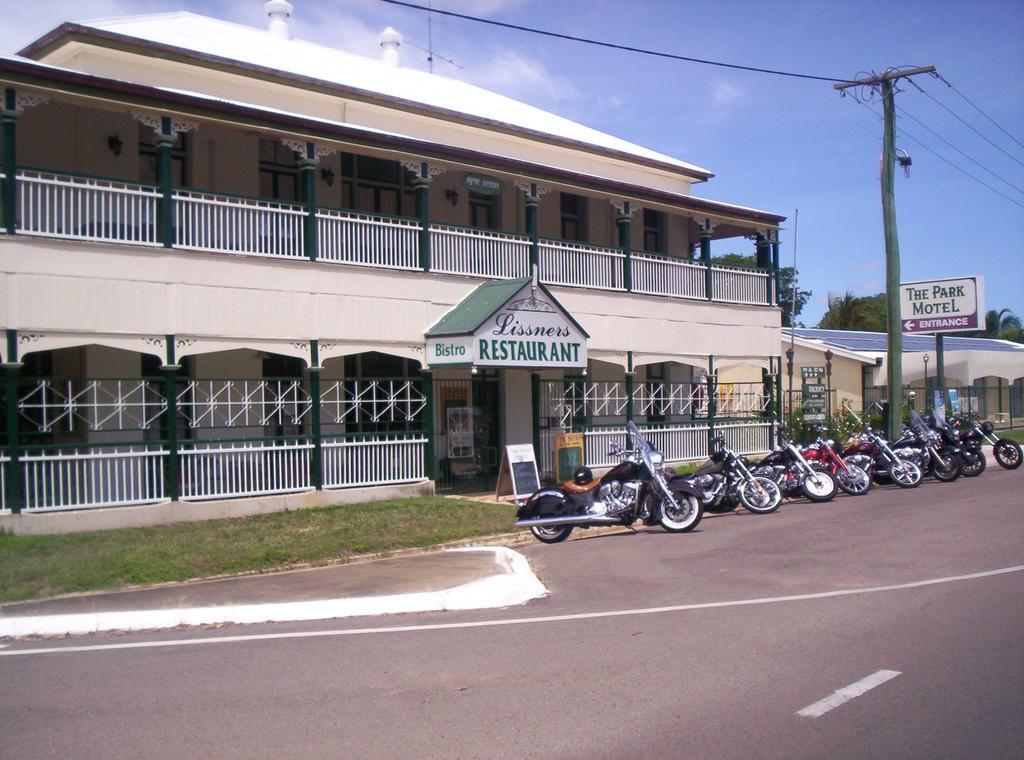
(467, 439)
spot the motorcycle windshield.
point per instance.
(919, 425)
(642, 447)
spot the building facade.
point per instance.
(222, 269)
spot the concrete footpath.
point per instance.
(458, 579)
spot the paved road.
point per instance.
(593, 670)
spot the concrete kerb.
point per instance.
(514, 584)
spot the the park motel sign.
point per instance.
(941, 306)
(510, 323)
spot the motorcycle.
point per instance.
(638, 488)
(827, 454)
(725, 480)
(793, 474)
(872, 453)
(926, 448)
(972, 458)
(1006, 451)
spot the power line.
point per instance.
(614, 46)
(951, 145)
(941, 157)
(967, 124)
(978, 109)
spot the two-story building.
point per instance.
(236, 264)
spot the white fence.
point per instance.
(229, 469)
(78, 479)
(83, 208)
(374, 460)
(226, 224)
(4, 459)
(584, 266)
(350, 237)
(461, 250)
(746, 437)
(666, 276)
(738, 285)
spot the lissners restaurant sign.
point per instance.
(530, 329)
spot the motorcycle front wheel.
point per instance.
(947, 472)
(760, 495)
(1008, 453)
(972, 464)
(551, 534)
(853, 480)
(681, 514)
(905, 474)
(819, 486)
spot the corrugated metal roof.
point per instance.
(876, 342)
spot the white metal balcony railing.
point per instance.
(462, 250)
(738, 285)
(4, 459)
(578, 265)
(231, 469)
(350, 237)
(666, 276)
(374, 460)
(676, 442)
(87, 478)
(84, 208)
(227, 224)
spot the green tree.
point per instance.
(852, 312)
(1002, 323)
(787, 277)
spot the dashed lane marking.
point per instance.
(845, 694)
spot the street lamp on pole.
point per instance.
(789, 371)
(828, 380)
(925, 379)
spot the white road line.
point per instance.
(511, 621)
(845, 694)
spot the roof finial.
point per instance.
(278, 11)
(389, 41)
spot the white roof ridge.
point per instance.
(253, 46)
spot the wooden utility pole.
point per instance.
(894, 361)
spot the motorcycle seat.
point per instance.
(570, 487)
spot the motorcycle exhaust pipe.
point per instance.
(569, 520)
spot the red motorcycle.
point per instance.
(826, 454)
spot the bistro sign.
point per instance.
(941, 306)
(529, 330)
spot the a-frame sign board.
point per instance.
(518, 473)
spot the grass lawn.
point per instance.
(1013, 435)
(33, 567)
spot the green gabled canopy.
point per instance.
(475, 309)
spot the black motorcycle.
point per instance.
(972, 457)
(638, 488)
(793, 474)
(927, 449)
(725, 480)
(1006, 451)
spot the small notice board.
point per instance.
(568, 454)
(518, 472)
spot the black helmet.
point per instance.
(582, 475)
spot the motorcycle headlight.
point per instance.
(658, 460)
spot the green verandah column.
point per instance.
(532, 226)
(629, 395)
(767, 380)
(779, 296)
(316, 472)
(764, 263)
(12, 378)
(170, 421)
(427, 388)
(307, 169)
(165, 179)
(706, 228)
(626, 211)
(712, 403)
(10, 166)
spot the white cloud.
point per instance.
(517, 76)
(723, 92)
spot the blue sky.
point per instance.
(774, 143)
